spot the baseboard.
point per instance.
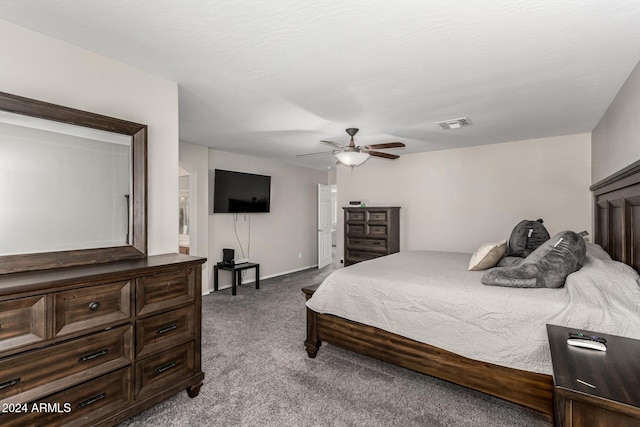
(267, 277)
(289, 272)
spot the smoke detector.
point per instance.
(455, 123)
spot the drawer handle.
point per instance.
(165, 368)
(9, 383)
(94, 306)
(92, 400)
(92, 356)
(166, 329)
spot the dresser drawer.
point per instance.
(22, 322)
(164, 291)
(28, 376)
(376, 245)
(80, 405)
(377, 230)
(91, 307)
(164, 331)
(357, 256)
(157, 372)
(378, 216)
(354, 229)
(355, 215)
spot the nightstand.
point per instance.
(608, 393)
(236, 274)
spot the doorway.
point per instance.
(327, 221)
(184, 212)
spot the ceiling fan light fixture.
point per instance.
(352, 158)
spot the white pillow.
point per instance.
(487, 255)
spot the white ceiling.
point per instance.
(273, 77)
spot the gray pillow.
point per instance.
(547, 267)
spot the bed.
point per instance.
(476, 359)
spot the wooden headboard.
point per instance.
(617, 215)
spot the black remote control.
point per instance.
(581, 336)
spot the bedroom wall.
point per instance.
(615, 141)
(455, 200)
(40, 67)
(281, 241)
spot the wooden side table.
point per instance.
(236, 274)
(594, 388)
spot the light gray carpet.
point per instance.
(257, 373)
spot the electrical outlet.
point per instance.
(299, 254)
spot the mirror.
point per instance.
(73, 186)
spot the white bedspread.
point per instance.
(431, 297)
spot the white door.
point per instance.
(324, 225)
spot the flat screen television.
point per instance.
(239, 192)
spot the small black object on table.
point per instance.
(236, 274)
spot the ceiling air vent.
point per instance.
(455, 123)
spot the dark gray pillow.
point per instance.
(525, 238)
(547, 267)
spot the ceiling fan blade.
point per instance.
(324, 153)
(334, 144)
(385, 155)
(385, 145)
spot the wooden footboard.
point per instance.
(525, 388)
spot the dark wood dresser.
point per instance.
(96, 344)
(594, 388)
(370, 232)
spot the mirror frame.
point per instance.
(138, 246)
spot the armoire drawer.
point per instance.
(354, 229)
(376, 245)
(92, 307)
(164, 291)
(357, 256)
(355, 216)
(22, 322)
(377, 230)
(163, 369)
(163, 331)
(28, 376)
(380, 216)
(80, 405)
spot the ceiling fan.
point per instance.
(355, 155)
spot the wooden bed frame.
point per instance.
(616, 229)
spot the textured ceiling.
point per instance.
(273, 77)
